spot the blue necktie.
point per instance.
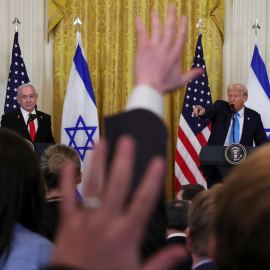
(236, 130)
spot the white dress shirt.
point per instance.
(146, 97)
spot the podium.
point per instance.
(215, 156)
(40, 147)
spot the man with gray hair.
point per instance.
(32, 124)
(248, 126)
(250, 123)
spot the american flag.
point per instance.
(193, 132)
(17, 76)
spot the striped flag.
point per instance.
(193, 132)
(17, 76)
(259, 89)
(80, 128)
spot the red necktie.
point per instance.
(32, 130)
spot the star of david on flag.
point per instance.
(80, 128)
(259, 88)
(193, 132)
(17, 76)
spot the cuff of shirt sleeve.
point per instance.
(146, 97)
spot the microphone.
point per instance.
(232, 108)
(31, 117)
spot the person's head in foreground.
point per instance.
(201, 217)
(189, 191)
(21, 189)
(243, 215)
(52, 161)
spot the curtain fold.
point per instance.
(109, 40)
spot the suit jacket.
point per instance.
(180, 240)
(15, 121)
(220, 116)
(150, 136)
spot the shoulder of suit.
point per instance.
(16, 112)
(250, 111)
(221, 104)
(39, 113)
(219, 101)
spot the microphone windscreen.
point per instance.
(232, 108)
(32, 117)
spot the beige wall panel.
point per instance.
(240, 15)
(37, 54)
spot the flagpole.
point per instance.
(16, 22)
(200, 25)
(256, 26)
(78, 23)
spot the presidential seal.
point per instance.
(235, 153)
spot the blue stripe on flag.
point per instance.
(82, 68)
(259, 69)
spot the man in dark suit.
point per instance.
(19, 120)
(250, 124)
(177, 222)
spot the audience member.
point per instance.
(21, 205)
(243, 215)
(157, 71)
(189, 191)
(177, 222)
(52, 161)
(200, 231)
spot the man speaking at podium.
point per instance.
(247, 128)
(32, 124)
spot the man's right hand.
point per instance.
(198, 110)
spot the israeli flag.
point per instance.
(80, 128)
(259, 89)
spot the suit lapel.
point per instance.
(21, 124)
(245, 124)
(40, 124)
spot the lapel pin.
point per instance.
(18, 116)
(41, 117)
(248, 118)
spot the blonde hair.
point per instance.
(239, 87)
(201, 219)
(52, 161)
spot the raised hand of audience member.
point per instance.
(158, 58)
(109, 235)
